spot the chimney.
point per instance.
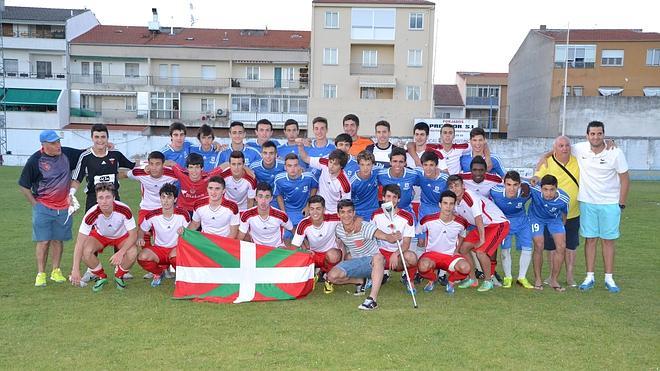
(542, 27)
(154, 25)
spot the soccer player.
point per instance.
(268, 167)
(548, 209)
(365, 261)
(477, 180)
(108, 223)
(99, 165)
(319, 231)
(404, 222)
(263, 222)
(511, 199)
(216, 214)
(345, 143)
(333, 182)
(480, 148)
(264, 131)
(364, 186)
(432, 183)
(167, 224)
(240, 186)
(237, 134)
(382, 148)
(400, 175)
(351, 124)
(445, 232)
(192, 181)
(320, 146)
(491, 229)
(449, 153)
(292, 189)
(291, 132)
(206, 147)
(179, 148)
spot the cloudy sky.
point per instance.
(481, 36)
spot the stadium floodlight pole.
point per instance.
(388, 207)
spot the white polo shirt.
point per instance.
(599, 173)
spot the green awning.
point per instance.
(31, 97)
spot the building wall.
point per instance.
(80, 24)
(454, 112)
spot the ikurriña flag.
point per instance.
(225, 270)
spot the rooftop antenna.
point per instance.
(193, 19)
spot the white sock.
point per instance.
(441, 273)
(590, 276)
(609, 280)
(89, 269)
(506, 262)
(387, 272)
(525, 260)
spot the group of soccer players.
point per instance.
(450, 206)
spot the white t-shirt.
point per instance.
(483, 188)
(451, 158)
(332, 189)
(150, 186)
(442, 237)
(321, 238)
(116, 225)
(403, 222)
(239, 190)
(599, 173)
(265, 231)
(472, 205)
(165, 230)
(218, 220)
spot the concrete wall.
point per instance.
(80, 24)
(454, 112)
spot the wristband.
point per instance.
(622, 206)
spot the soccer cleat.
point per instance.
(148, 276)
(495, 282)
(56, 275)
(40, 281)
(497, 277)
(386, 278)
(418, 278)
(612, 288)
(443, 280)
(359, 288)
(368, 284)
(524, 283)
(166, 274)
(156, 281)
(429, 286)
(328, 288)
(449, 289)
(119, 283)
(480, 275)
(128, 276)
(98, 286)
(368, 304)
(467, 283)
(587, 285)
(411, 290)
(486, 286)
(403, 278)
(88, 276)
(507, 282)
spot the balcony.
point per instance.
(482, 101)
(381, 69)
(277, 118)
(99, 81)
(34, 43)
(27, 80)
(108, 116)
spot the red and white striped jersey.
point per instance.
(452, 157)
(332, 189)
(239, 190)
(150, 186)
(473, 205)
(116, 225)
(403, 222)
(164, 229)
(442, 237)
(483, 188)
(321, 238)
(266, 231)
(218, 220)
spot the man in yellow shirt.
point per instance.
(351, 124)
(564, 167)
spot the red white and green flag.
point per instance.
(224, 270)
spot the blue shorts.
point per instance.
(600, 221)
(356, 267)
(572, 235)
(555, 226)
(50, 224)
(519, 227)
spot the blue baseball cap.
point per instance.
(49, 136)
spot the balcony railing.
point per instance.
(381, 69)
(190, 82)
(35, 75)
(572, 64)
(109, 79)
(482, 101)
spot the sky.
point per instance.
(476, 36)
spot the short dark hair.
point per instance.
(478, 160)
(291, 156)
(595, 124)
(344, 202)
(195, 159)
(366, 156)
(263, 186)
(236, 123)
(205, 130)
(169, 189)
(99, 128)
(454, 179)
(105, 186)
(289, 122)
(156, 155)
(217, 179)
(320, 119)
(447, 193)
(513, 175)
(351, 117)
(392, 188)
(316, 199)
(237, 154)
(448, 126)
(269, 144)
(343, 137)
(398, 151)
(477, 131)
(430, 156)
(421, 126)
(177, 126)
(383, 123)
(340, 156)
(263, 122)
(549, 180)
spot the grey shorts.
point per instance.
(50, 224)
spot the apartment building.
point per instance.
(373, 58)
(485, 97)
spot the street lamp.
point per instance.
(490, 116)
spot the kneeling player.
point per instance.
(108, 223)
(319, 229)
(445, 232)
(215, 214)
(167, 224)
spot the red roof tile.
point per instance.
(602, 35)
(196, 37)
(447, 95)
(376, 2)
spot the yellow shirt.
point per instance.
(564, 181)
(359, 145)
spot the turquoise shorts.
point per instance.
(600, 221)
(50, 224)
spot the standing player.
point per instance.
(351, 124)
(480, 148)
(108, 223)
(320, 146)
(477, 180)
(237, 134)
(206, 147)
(400, 175)
(192, 181)
(333, 181)
(292, 189)
(432, 183)
(291, 132)
(449, 153)
(268, 167)
(240, 186)
(263, 131)
(167, 224)
(364, 186)
(511, 199)
(319, 231)
(179, 148)
(445, 232)
(263, 222)
(216, 214)
(382, 148)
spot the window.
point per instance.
(653, 57)
(414, 57)
(131, 103)
(567, 91)
(84, 68)
(413, 93)
(208, 105)
(286, 104)
(416, 21)
(578, 91)
(331, 20)
(44, 69)
(579, 56)
(329, 91)
(367, 93)
(10, 66)
(607, 91)
(483, 91)
(163, 71)
(165, 105)
(369, 58)
(208, 72)
(131, 69)
(330, 56)
(252, 72)
(446, 115)
(611, 58)
(652, 91)
(373, 24)
(288, 74)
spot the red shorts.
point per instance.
(442, 261)
(105, 241)
(494, 235)
(163, 253)
(387, 255)
(319, 258)
(415, 208)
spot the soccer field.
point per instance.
(63, 327)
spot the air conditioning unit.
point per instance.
(221, 112)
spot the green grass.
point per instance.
(64, 327)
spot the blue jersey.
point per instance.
(541, 208)
(257, 146)
(513, 208)
(364, 194)
(498, 169)
(251, 155)
(315, 151)
(177, 156)
(267, 175)
(295, 192)
(285, 149)
(210, 157)
(406, 182)
(431, 190)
